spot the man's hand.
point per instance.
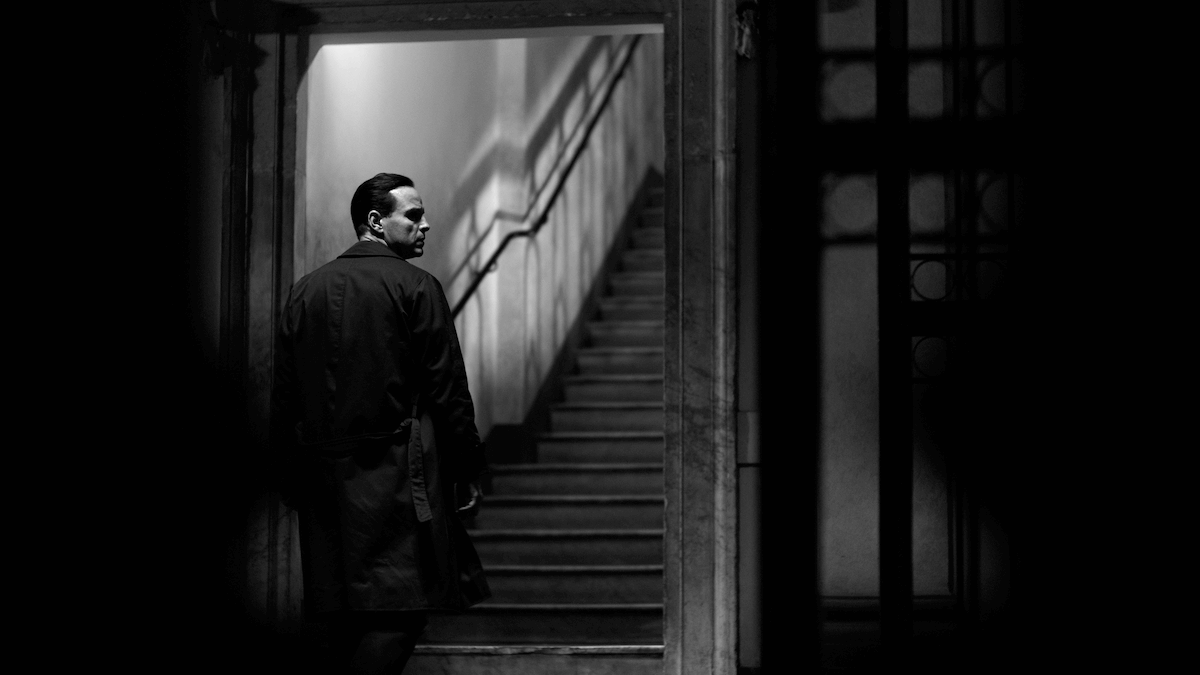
(476, 496)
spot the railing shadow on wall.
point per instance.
(546, 191)
(580, 171)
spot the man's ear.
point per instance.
(374, 220)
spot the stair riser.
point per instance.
(569, 516)
(579, 483)
(574, 588)
(573, 551)
(602, 364)
(636, 286)
(600, 451)
(641, 262)
(614, 310)
(651, 218)
(602, 335)
(648, 237)
(613, 391)
(569, 627)
(607, 420)
(532, 664)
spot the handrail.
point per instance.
(562, 180)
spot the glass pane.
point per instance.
(927, 205)
(931, 279)
(930, 356)
(847, 24)
(850, 205)
(926, 97)
(989, 22)
(849, 503)
(993, 203)
(847, 90)
(992, 76)
(924, 24)
(931, 507)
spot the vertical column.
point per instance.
(789, 333)
(271, 565)
(895, 379)
(700, 463)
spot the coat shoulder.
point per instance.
(395, 270)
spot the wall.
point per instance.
(547, 278)
(477, 125)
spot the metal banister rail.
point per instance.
(558, 188)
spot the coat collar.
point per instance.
(370, 249)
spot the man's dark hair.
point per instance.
(375, 195)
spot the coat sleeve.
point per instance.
(443, 375)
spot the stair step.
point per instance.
(610, 333)
(503, 623)
(609, 446)
(565, 547)
(635, 308)
(636, 283)
(576, 478)
(607, 416)
(644, 260)
(655, 196)
(613, 388)
(440, 659)
(648, 237)
(570, 511)
(575, 583)
(651, 216)
(614, 360)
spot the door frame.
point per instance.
(700, 470)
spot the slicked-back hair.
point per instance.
(375, 195)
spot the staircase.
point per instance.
(572, 544)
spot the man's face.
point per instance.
(404, 228)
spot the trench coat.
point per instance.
(372, 428)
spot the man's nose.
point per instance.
(424, 225)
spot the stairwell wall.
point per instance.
(545, 280)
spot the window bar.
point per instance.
(970, 221)
(895, 378)
(952, 104)
(1009, 108)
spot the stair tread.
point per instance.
(512, 650)
(582, 467)
(628, 323)
(573, 569)
(612, 377)
(560, 534)
(606, 405)
(599, 435)
(631, 300)
(573, 499)
(621, 350)
(551, 607)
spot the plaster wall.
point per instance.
(546, 279)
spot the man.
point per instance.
(376, 433)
